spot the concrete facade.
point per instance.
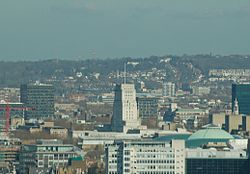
(145, 157)
(125, 112)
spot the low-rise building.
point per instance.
(45, 154)
(47, 124)
(35, 129)
(168, 126)
(101, 138)
(9, 154)
(15, 122)
(198, 90)
(231, 122)
(59, 132)
(185, 114)
(217, 119)
(108, 98)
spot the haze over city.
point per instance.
(86, 29)
(124, 87)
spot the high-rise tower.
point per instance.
(241, 98)
(125, 113)
(39, 97)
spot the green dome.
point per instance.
(211, 132)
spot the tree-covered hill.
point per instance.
(182, 68)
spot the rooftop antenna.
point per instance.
(125, 73)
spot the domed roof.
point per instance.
(210, 132)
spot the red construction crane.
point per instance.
(8, 109)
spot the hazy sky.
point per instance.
(39, 29)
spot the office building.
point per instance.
(46, 154)
(217, 119)
(125, 113)
(9, 154)
(145, 157)
(168, 89)
(217, 160)
(231, 122)
(241, 97)
(39, 98)
(246, 123)
(185, 114)
(147, 106)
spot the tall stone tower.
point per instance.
(125, 112)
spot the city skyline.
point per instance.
(124, 87)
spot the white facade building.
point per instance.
(125, 112)
(168, 89)
(145, 157)
(198, 90)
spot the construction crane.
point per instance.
(7, 110)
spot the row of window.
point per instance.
(156, 161)
(158, 172)
(154, 156)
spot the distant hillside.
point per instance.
(206, 62)
(180, 68)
